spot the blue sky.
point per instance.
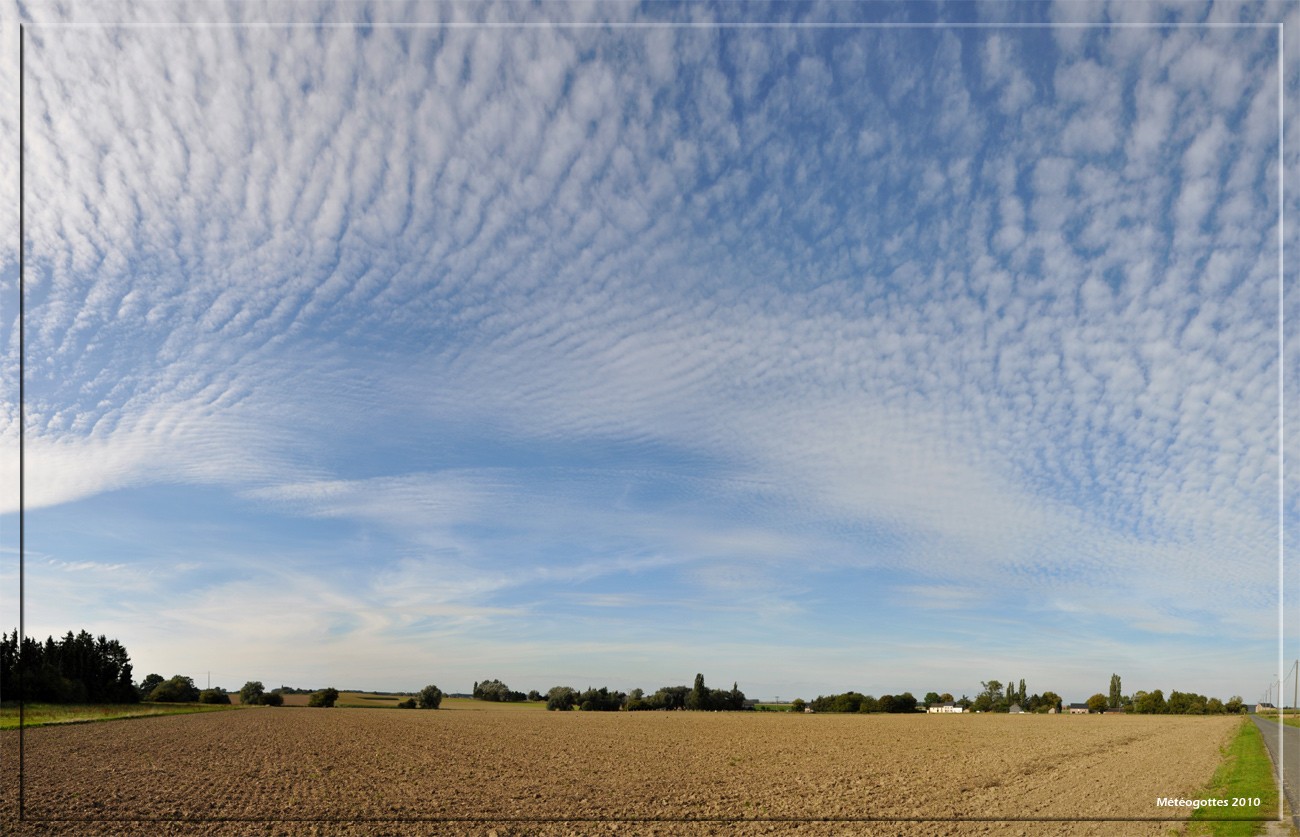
(810, 357)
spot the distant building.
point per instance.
(1015, 710)
(1118, 710)
(947, 706)
(1078, 709)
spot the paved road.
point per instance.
(1290, 746)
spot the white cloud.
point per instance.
(564, 239)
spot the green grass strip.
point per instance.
(1246, 773)
(48, 714)
(1291, 719)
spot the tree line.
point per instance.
(1155, 702)
(697, 697)
(857, 702)
(993, 697)
(75, 669)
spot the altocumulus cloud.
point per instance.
(966, 330)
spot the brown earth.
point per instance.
(393, 772)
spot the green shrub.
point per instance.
(271, 699)
(179, 689)
(325, 697)
(251, 693)
(430, 697)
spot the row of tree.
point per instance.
(1155, 703)
(1185, 703)
(75, 669)
(181, 689)
(857, 702)
(698, 697)
(993, 698)
(178, 689)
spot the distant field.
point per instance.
(514, 772)
(490, 706)
(357, 699)
(367, 700)
(42, 714)
(389, 700)
(289, 700)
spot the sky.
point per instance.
(813, 347)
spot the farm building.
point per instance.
(1015, 709)
(1078, 709)
(947, 706)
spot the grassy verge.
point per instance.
(1246, 773)
(45, 714)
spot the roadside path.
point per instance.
(1273, 732)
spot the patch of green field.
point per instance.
(369, 700)
(1246, 773)
(491, 706)
(45, 714)
(772, 707)
(389, 700)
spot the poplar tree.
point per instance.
(699, 695)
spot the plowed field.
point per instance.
(370, 771)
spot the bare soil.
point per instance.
(393, 772)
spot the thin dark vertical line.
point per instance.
(1281, 414)
(22, 423)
